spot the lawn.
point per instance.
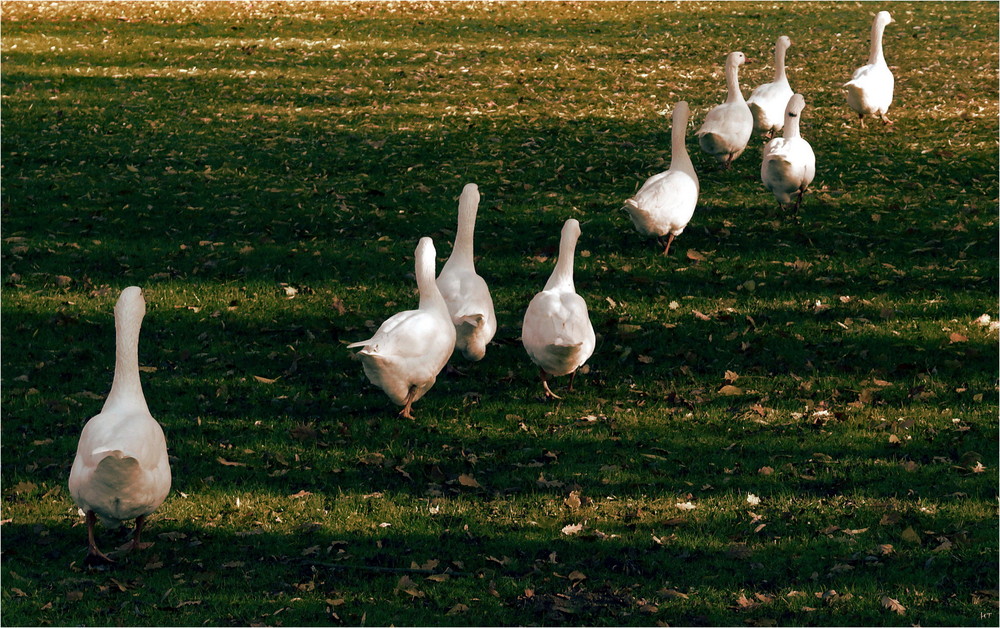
(790, 420)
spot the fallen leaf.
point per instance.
(456, 609)
(954, 337)
(573, 501)
(467, 480)
(893, 605)
(910, 535)
(729, 389)
(673, 594)
(576, 576)
(695, 255)
(74, 596)
(265, 380)
(752, 499)
(571, 529)
(685, 506)
(230, 464)
(300, 494)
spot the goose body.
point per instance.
(121, 470)
(727, 127)
(556, 331)
(789, 164)
(767, 103)
(410, 348)
(466, 293)
(665, 203)
(869, 92)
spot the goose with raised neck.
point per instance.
(410, 348)
(121, 470)
(789, 164)
(727, 128)
(465, 292)
(556, 331)
(767, 103)
(665, 203)
(870, 90)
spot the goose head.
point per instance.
(882, 19)
(795, 106)
(736, 59)
(783, 43)
(131, 305)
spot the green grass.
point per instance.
(215, 154)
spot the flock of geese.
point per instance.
(121, 469)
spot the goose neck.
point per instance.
(430, 295)
(791, 126)
(679, 158)
(733, 83)
(126, 388)
(562, 274)
(779, 63)
(876, 56)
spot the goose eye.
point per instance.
(792, 114)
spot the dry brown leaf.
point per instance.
(954, 337)
(893, 605)
(300, 494)
(730, 390)
(573, 501)
(265, 380)
(695, 256)
(673, 594)
(456, 609)
(765, 471)
(230, 464)
(467, 480)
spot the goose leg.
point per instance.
(861, 117)
(885, 119)
(572, 376)
(94, 555)
(135, 543)
(798, 201)
(405, 412)
(545, 384)
(666, 251)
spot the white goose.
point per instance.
(556, 331)
(410, 348)
(465, 292)
(869, 92)
(767, 102)
(789, 163)
(727, 127)
(121, 470)
(665, 203)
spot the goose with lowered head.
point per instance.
(466, 293)
(121, 470)
(767, 102)
(410, 348)
(727, 127)
(556, 331)
(869, 92)
(665, 203)
(789, 164)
